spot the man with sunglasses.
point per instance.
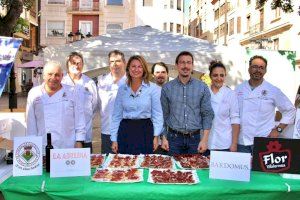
(257, 102)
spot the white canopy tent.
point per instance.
(156, 46)
(152, 44)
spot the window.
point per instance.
(277, 13)
(178, 4)
(56, 1)
(223, 29)
(261, 19)
(171, 4)
(147, 2)
(248, 2)
(190, 11)
(165, 26)
(248, 22)
(55, 28)
(238, 28)
(178, 28)
(113, 28)
(216, 32)
(276, 44)
(231, 26)
(86, 4)
(216, 14)
(86, 27)
(115, 2)
(171, 27)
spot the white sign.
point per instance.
(28, 157)
(70, 162)
(230, 166)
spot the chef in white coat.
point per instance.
(87, 90)
(257, 102)
(53, 108)
(226, 123)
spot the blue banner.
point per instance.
(8, 50)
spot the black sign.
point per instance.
(276, 155)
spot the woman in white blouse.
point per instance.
(226, 124)
(137, 119)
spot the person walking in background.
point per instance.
(257, 100)
(54, 108)
(86, 89)
(226, 123)
(108, 85)
(137, 119)
(186, 109)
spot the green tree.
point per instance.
(285, 5)
(11, 11)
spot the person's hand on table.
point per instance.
(78, 144)
(233, 148)
(202, 147)
(114, 147)
(164, 143)
(155, 143)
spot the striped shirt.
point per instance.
(186, 107)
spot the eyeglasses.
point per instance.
(185, 63)
(260, 67)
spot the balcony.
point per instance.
(77, 6)
(255, 29)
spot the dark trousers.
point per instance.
(88, 145)
(105, 144)
(135, 136)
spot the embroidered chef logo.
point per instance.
(275, 159)
(27, 155)
(264, 92)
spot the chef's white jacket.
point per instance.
(61, 115)
(226, 110)
(87, 90)
(257, 110)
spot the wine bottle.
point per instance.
(48, 147)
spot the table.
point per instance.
(261, 186)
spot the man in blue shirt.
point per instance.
(186, 110)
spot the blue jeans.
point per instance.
(245, 148)
(183, 144)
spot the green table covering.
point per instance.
(261, 186)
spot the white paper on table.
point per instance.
(70, 162)
(230, 166)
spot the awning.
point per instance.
(32, 64)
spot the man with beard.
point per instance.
(54, 108)
(257, 102)
(160, 73)
(187, 110)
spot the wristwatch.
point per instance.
(279, 129)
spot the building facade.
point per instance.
(245, 23)
(60, 18)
